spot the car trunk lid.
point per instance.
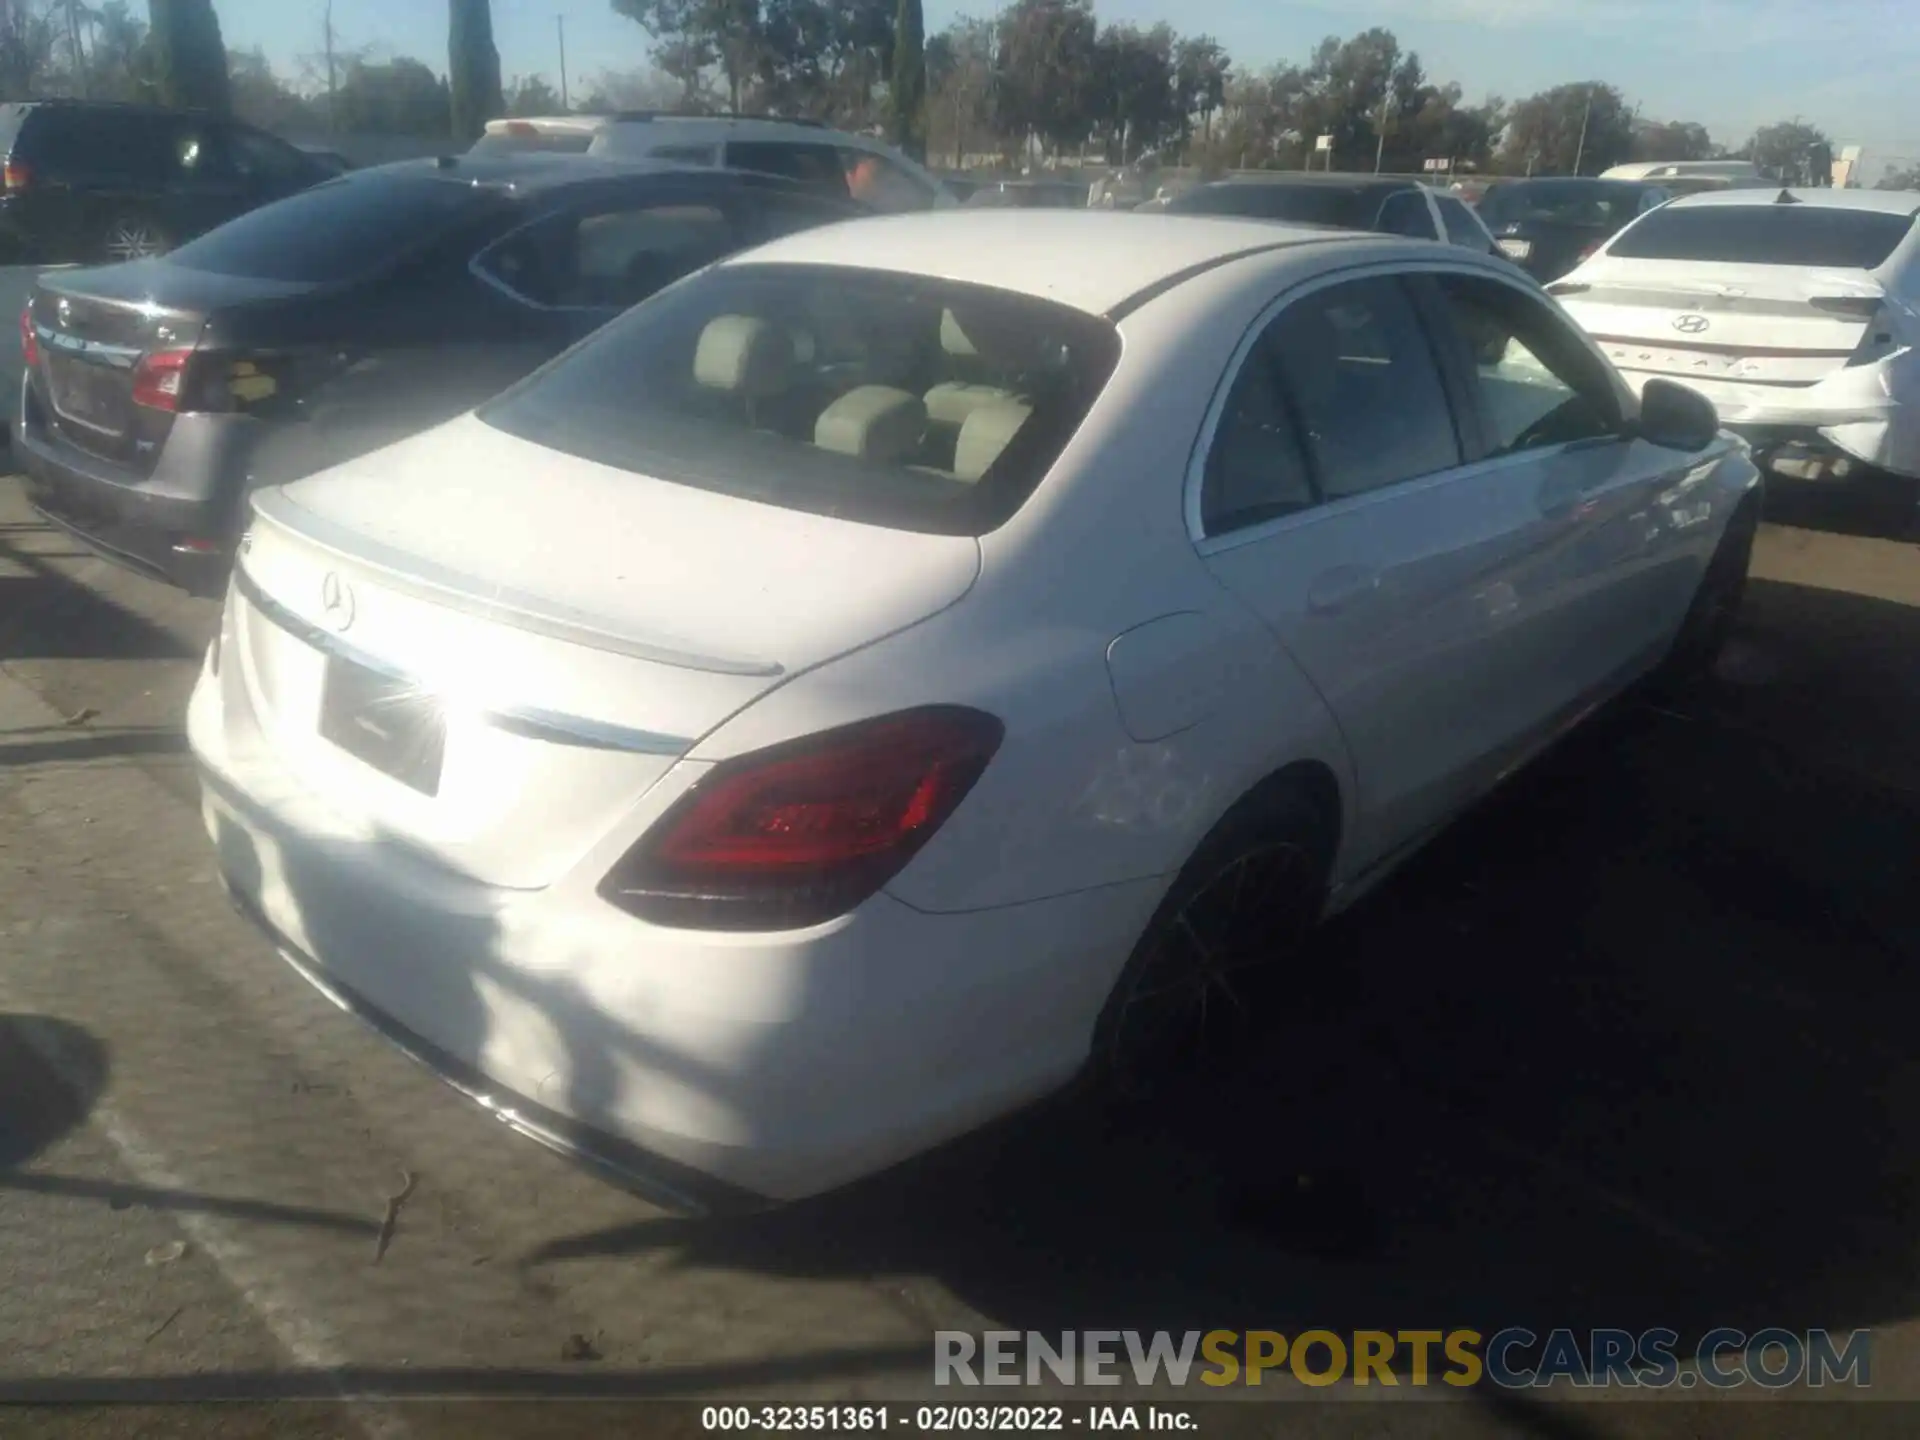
(96, 328)
(1754, 324)
(492, 652)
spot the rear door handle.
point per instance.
(1336, 589)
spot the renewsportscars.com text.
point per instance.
(1514, 1358)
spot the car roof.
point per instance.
(1556, 182)
(1091, 260)
(526, 172)
(1885, 202)
(554, 124)
(1355, 184)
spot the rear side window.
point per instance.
(1462, 228)
(814, 165)
(1823, 236)
(341, 230)
(78, 142)
(1301, 204)
(11, 117)
(610, 257)
(885, 399)
(1587, 204)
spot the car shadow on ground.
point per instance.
(1629, 1048)
(1872, 504)
(44, 615)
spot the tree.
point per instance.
(647, 89)
(1569, 130)
(1671, 140)
(1898, 179)
(189, 58)
(1790, 152)
(399, 97)
(960, 83)
(1201, 70)
(1043, 71)
(261, 98)
(693, 36)
(1132, 100)
(532, 95)
(473, 68)
(907, 95)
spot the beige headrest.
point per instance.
(743, 355)
(984, 434)
(953, 339)
(873, 422)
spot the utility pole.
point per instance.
(1380, 150)
(560, 25)
(333, 119)
(1581, 153)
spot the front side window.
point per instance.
(609, 258)
(1407, 214)
(1362, 378)
(1537, 385)
(263, 161)
(886, 399)
(874, 180)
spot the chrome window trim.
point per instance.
(529, 721)
(1216, 407)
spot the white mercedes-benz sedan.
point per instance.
(1796, 312)
(903, 664)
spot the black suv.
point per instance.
(95, 182)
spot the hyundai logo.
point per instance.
(336, 601)
(1691, 324)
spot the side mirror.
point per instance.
(1676, 418)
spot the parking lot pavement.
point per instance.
(1631, 1048)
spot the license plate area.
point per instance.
(89, 395)
(385, 723)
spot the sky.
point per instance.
(1852, 67)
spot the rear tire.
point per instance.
(1716, 604)
(1224, 933)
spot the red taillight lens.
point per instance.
(803, 832)
(29, 342)
(16, 176)
(159, 377)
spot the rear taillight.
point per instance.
(29, 342)
(15, 176)
(805, 831)
(1877, 341)
(1854, 307)
(159, 378)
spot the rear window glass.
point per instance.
(1561, 203)
(571, 143)
(885, 399)
(341, 230)
(1822, 236)
(1302, 204)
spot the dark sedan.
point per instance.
(1348, 202)
(158, 394)
(1549, 225)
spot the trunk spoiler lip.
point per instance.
(440, 585)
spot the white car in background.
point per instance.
(1796, 312)
(888, 670)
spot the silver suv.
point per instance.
(836, 161)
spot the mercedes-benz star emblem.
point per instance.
(1691, 324)
(336, 601)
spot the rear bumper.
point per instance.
(1870, 414)
(145, 523)
(711, 1071)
